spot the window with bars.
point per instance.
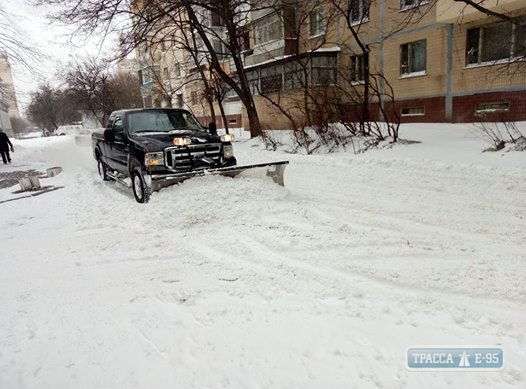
(253, 81)
(413, 57)
(324, 70)
(294, 74)
(496, 42)
(271, 79)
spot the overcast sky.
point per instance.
(55, 42)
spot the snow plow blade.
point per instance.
(275, 171)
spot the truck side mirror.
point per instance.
(109, 135)
(212, 128)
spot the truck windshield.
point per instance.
(162, 121)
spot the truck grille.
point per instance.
(193, 156)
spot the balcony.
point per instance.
(452, 11)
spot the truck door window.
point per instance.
(117, 124)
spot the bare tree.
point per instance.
(125, 91)
(15, 44)
(149, 20)
(88, 83)
(50, 107)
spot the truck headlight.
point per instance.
(228, 151)
(182, 141)
(228, 138)
(154, 159)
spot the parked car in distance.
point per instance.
(83, 138)
(70, 129)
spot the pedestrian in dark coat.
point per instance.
(5, 145)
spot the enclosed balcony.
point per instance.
(451, 11)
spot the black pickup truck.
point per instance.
(158, 147)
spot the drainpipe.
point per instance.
(449, 71)
(381, 86)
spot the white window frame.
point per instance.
(512, 40)
(317, 22)
(413, 111)
(319, 69)
(356, 61)
(363, 11)
(410, 4)
(146, 76)
(268, 30)
(494, 106)
(408, 61)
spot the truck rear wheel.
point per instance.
(141, 191)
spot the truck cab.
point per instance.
(156, 146)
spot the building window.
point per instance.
(324, 70)
(193, 97)
(358, 68)
(294, 74)
(317, 22)
(493, 107)
(500, 41)
(180, 102)
(146, 74)
(271, 79)
(216, 20)
(219, 48)
(413, 58)
(163, 45)
(359, 11)
(268, 30)
(253, 81)
(166, 74)
(408, 4)
(177, 69)
(244, 41)
(413, 111)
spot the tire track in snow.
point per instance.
(267, 258)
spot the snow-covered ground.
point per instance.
(241, 283)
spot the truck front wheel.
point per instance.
(141, 191)
(103, 169)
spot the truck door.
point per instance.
(120, 148)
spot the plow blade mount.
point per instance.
(275, 171)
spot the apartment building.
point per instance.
(8, 103)
(429, 61)
(442, 61)
(174, 70)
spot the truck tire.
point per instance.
(103, 170)
(141, 191)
